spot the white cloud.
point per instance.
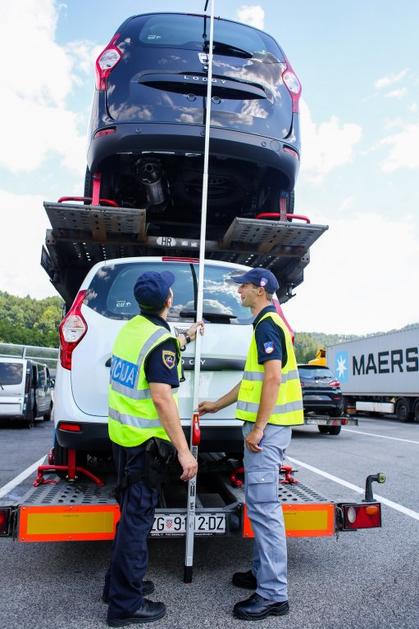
(252, 14)
(326, 145)
(35, 87)
(362, 277)
(390, 79)
(400, 93)
(403, 151)
(24, 221)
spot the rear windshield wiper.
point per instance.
(228, 49)
(209, 316)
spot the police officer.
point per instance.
(269, 401)
(145, 370)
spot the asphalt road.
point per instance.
(364, 578)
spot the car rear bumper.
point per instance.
(93, 437)
(335, 406)
(182, 139)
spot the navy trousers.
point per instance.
(123, 581)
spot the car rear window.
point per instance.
(11, 373)
(190, 32)
(111, 292)
(315, 372)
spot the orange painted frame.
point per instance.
(25, 512)
(328, 507)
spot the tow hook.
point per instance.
(377, 478)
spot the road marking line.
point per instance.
(15, 481)
(373, 434)
(359, 490)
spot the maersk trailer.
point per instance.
(380, 373)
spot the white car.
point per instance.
(25, 390)
(102, 306)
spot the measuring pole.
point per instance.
(195, 434)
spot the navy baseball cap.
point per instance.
(152, 289)
(259, 277)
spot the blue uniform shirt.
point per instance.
(157, 369)
(270, 339)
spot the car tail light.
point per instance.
(5, 519)
(361, 516)
(102, 132)
(69, 427)
(293, 85)
(335, 384)
(106, 62)
(72, 329)
(291, 152)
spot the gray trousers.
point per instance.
(265, 512)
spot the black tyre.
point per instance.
(88, 183)
(416, 411)
(329, 430)
(47, 415)
(59, 457)
(324, 430)
(334, 430)
(403, 411)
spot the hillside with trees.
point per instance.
(30, 321)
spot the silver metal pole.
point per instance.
(190, 517)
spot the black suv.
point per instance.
(321, 390)
(148, 121)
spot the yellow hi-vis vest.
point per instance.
(288, 410)
(133, 418)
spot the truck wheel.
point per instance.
(402, 410)
(416, 411)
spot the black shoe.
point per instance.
(256, 607)
(148, 588)
(244, 580)
(148, 612)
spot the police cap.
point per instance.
(152, 289)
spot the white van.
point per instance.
(103, 305)
(25, 389)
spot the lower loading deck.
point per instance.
(80, 510)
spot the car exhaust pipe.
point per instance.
(150, 174)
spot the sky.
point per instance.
(358, 62)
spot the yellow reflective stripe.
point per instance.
(135, 394)
(132, 420)
(147, 346)
(252, 407)
(258, 375)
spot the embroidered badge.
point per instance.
(263, 281)
(169, 358)
(269, 347)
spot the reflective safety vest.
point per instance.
(288, 410)
(133, 418)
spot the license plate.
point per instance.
(175, 524)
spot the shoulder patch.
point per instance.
(168, 358)
(269, 347)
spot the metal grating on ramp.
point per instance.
(297, 493)
(272, 236)
(98, 221)
(69, 494)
